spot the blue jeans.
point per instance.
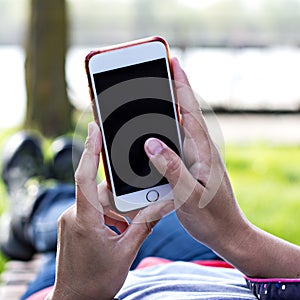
(168, 240)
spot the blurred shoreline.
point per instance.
(239, 81)
(277, 129)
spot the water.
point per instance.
(242, 78)
(249, 78)
(12, 86)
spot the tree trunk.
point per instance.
(48, 107)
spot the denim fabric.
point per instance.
(49, 206)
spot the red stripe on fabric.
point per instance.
(152, 261)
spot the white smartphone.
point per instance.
(133, 99)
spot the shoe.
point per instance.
(22, 159)
(22, 166)
(14, 244)
(66, 157)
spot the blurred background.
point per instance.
(242, 58)
(241, 55)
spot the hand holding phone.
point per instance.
(132, 96)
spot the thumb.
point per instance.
(170, 165)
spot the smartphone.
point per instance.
(133, 99)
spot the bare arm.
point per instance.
(261, 255)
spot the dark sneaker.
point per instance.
(22, 160)
(14, 243)
(66, 156)
(21, 169)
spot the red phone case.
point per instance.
(111, 48)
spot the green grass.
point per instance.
(266, 181)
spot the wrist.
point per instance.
(66, 293)
(230, 240)
(235, 246)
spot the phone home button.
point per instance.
(152, 196)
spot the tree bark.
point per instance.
(48, 107)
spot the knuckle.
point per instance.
(61, 222)
(80, 178)
(174, 165)
(88, 143)
(68, 223)
(197, 190)
(66, 218)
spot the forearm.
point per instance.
(259, 254)
(253, 251)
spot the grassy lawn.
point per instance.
(266, 181)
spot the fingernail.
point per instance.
(153, 146)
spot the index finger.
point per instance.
(87, 202)
(192, 118)
(197, 141)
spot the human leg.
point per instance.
(30, 224)
(42, 229)
(36, 204)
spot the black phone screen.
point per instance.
(135, 103)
